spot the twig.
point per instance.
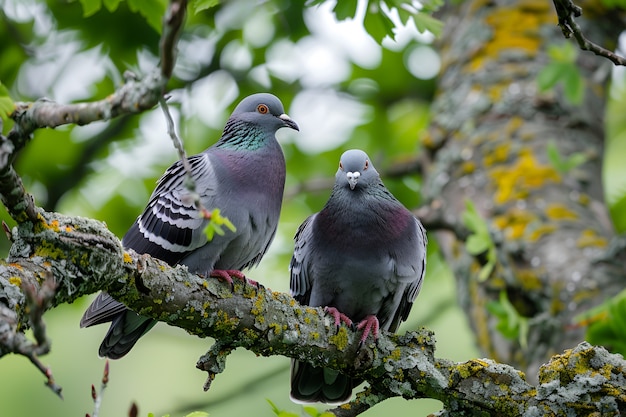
(38, 302)
(566, 10)
(97, 395)
(190, 183)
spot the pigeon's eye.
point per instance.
(340, 166)
(367, 164)
(263, 109)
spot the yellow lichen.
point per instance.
(589, 237)
(127, 258)
(17, 281)
(497, 155)
(529, 279)
(468, 167)
(513, 28)
(514, 222)
(258, 307)
(277, 328)
(516, 181)
(556, 211)
(471, 367)
(340, 339)
(541, 231)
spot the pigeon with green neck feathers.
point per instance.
(243, 175)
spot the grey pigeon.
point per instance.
(243, 175)
(363, 257)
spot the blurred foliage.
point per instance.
(563, 69)
(479, 243)
(561, 163)
(606, 324)
(349, 72)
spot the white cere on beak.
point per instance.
(353, 178)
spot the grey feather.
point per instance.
(364, 254)
(243, 175)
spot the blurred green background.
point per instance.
(344, 89)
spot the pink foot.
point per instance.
(228, 275)
(338, 316)
(368, 324)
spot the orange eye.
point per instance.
(367, 164)
(263, 109)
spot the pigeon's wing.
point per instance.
(103, 309)
(412, 263)
(170, 227)
(300, 285)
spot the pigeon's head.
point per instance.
(356, 170)
(265, 110)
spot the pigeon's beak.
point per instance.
(353, 178)
(288, 122)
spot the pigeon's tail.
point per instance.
(124, 332)
(310, 384)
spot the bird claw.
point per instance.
(338, 317)
(368, 324)
(228, 275)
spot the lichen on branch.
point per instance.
(90, 258)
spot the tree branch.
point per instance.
(567, 11)
(85, 257)
(136, 95)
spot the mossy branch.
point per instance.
(84, 257)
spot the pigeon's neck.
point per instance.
(239, 135)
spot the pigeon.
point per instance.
(243, 175)
(363, 258)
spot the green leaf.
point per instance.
(617, 316)
(90, 7)
(473, 220)
(345, 9)
(378, 25)
(561, 164)
(510, 323)
(425, 22)
(573, 85)
(563, 52)
(216, 221)
(200, 5)
(550, 75)
(6, 103)
(477, 244)
(618, 213)
(274, 408)
(198, 414)
(111, 5)
(485, 271)
(151, 10)
(310, 410)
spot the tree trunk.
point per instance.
(488, 144)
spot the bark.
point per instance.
(556, 251)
